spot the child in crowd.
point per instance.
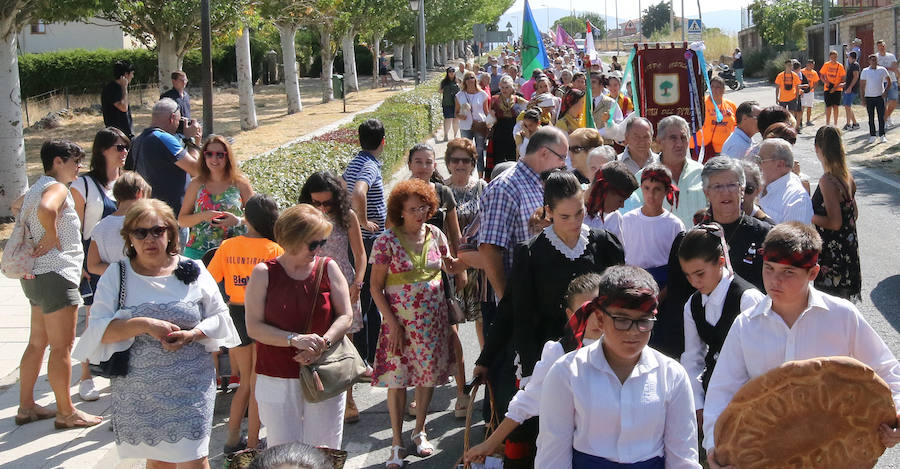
(583, 329)
(585, 421)
(648, 231)
(233, 262)
(794, 322)
(107, 244)
(720, 297)
(612, 185)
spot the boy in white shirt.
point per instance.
(793, 322)
(648, 231)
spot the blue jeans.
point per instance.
(479, 147)
(739, 75)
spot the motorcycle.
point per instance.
(726, 73)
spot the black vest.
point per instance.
(714, 336)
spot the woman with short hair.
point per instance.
(505, 107)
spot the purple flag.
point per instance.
(563, 38)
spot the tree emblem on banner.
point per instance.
(665, 88)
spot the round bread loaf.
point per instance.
(817, 413)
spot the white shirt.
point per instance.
(694, 357)
(787, 200)
(648, 240)
(585, 407)
(887, 60)
(526, 403)
(108, 236)
(875, 81)
(760, 340)
(626, 158)
(612, 222)
(93, 203)
(477, 102)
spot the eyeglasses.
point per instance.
(578, 149)
(156, 232)
(322, 203)
(218, 154)
(418, 210)
(763, 160)
(562, 157)
(122, 147)
(625, 324)
(459, 160)
(313, 245)
(731, 187)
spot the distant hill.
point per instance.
(726, 20)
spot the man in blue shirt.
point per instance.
(179, 94)
(366, 188)
(739, 142)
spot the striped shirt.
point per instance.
(366, 167)
(506, 206)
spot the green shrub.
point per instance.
(775, 65)
(408, 118)
(81, 70)
(755, 62)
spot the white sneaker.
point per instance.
(872, 139)
(883, 139)
(87, 391)
(889, 123)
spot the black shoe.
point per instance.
(241, 445)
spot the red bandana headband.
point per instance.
(574, 335)
(660, 176)
(802, 259)
(597, 196)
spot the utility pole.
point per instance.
(640, 23)
(422, 69)
(683, 26)
(606, 22)
(618, 30)
(826, 30)
(206, 46)
(671, 16)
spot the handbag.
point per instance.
(337, 368)
(479, 128)
(17, 262)
(489, 427)
(117, 365)
(455, 312)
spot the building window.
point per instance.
(39, 27)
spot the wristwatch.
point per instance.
(291, 336)
(327, 342)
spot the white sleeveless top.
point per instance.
(67, 262)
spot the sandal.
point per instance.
(424, 448)
(396, 461)
(33, 415)
(462, 406)
(76, 420)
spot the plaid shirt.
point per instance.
(506, 206)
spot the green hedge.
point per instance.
(408, 118)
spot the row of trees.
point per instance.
(576, 24)
(173, 28)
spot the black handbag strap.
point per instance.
(121, 300)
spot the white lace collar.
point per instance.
(559, 245)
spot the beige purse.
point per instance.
(337, 368)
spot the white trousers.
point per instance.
(289, 418)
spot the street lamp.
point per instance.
(419, 6)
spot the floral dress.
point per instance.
(840, 274)
(467, 206)
(415, 292)
(203, 236)
(337, 247)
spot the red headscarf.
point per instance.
(802, 259)
(597, 196)
(660, 176)
(640, 299)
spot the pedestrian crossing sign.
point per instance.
(694, 26)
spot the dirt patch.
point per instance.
(882, 156)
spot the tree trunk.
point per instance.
(245, 81)
(327, 62)
(287, 33)
(443, 49)
(376, 54)
(408, 59)
(429, 56)
(167, 62)
(398, 59)
(350, 76)
(13, 175)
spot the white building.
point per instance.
(93, 34)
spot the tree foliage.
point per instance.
(782, 21)
(576, 24)
(656, 18)
(15, 14)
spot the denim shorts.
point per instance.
(848, 98)
(892, 92)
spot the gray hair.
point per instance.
(662, 128)
(721, 164)
(752, 174)
(566, 76)
(509, 81)
(634, 120)
(164, 108)
(782, 150)
(606, 152)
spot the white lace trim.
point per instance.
(559, 245)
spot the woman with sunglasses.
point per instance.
(214, 200)
(94, 201)
(168, 314)
(294, 320)
(325, 191)
(584, 421)
(506, 107)
(414, 348)
(48, 211)
(473, 105)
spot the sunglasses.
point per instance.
(218, 154)
(749, 189)
(313, 245)
(625, 324)
(156, 232)
(122, 147)
(322, 203)
(459, 160)
(579, 149)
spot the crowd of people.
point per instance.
(566, 246)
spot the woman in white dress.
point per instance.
(171, 318)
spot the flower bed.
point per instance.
(408, 118)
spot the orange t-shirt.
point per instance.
(717, 132)
(833, 73)
(812, 77)
(234, 262)
(788, 86)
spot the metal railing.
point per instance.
(36, 107)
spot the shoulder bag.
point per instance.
(479, 128)
(17, 262)
(338, 366)
(117, 365)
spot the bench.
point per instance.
(396, 81)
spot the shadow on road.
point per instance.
(884, 297)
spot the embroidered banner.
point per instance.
(665, 83)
